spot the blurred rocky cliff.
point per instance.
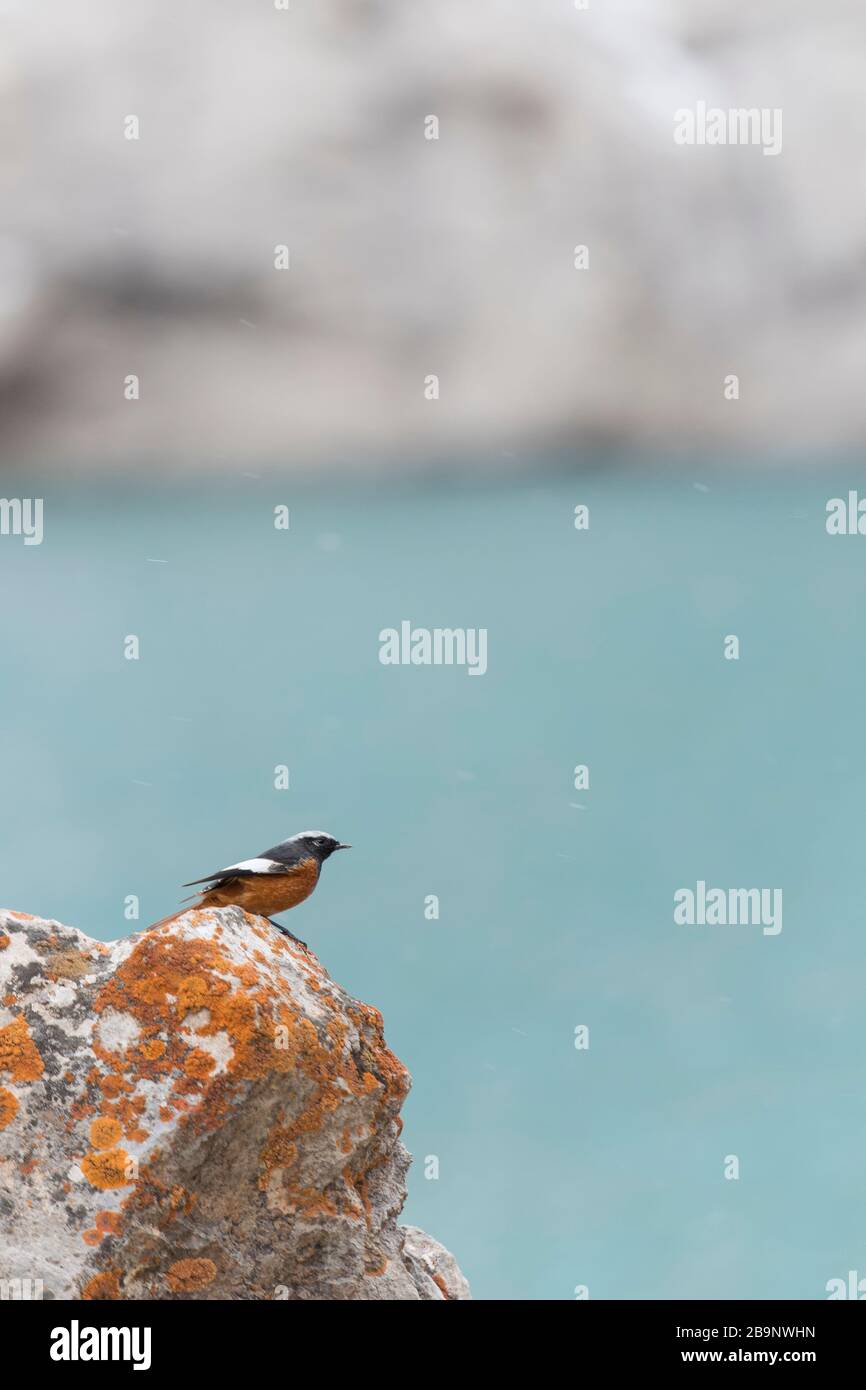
(412, 257)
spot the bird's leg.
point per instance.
(288, 933)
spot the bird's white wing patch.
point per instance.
(257, 866)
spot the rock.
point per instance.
(435, 1261)
(199, 1112)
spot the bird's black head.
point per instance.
(317, 843)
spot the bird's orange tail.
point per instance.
(164, 921)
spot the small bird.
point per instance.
(277, 879)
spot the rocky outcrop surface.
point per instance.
(199, 1112)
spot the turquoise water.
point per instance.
(259, 647)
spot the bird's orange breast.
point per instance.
(266, 894)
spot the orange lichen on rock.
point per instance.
(106, 1169)
(188, 1276)
(78, 1110)
(166, 978)
(8, 1107)
(280, 1151)
(18, 1052)
(199, 1063)
(263, 1086)
(127, 1110)
(103, 1286)
(4, 940)
(108, 1223)
(113, 1085)
(343, 1073)
(279, 1154)
(104, 1132)
(179, 1197)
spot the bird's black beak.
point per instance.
(342, 846)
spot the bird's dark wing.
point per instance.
(247, 868)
